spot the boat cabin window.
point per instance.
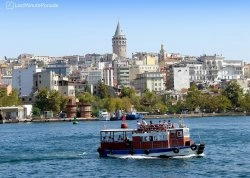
(154, 138)
(116, 136)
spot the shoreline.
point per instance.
(195, 115)
(168, 116)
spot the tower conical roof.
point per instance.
(118, 31)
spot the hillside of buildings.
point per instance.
(154, 82)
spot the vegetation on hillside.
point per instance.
(210, 100)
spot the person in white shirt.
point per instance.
(143, 122)
(138, 125)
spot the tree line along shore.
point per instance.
(169, 116)
(205, 102)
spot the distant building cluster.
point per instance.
(161, 72)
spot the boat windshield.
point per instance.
(116, 135)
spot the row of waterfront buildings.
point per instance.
(159, 72)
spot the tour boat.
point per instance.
(154, 140)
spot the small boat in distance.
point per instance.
(75, 120)
(104, 115)
(154, 140)
(134, 116)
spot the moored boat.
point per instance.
(155, 140)
(104, 115)
(134, 116)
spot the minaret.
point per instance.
(119, 42)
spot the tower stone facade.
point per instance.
(119, 42)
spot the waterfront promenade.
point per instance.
(166, 116)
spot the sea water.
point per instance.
(64, 149)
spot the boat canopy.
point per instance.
(119, 130)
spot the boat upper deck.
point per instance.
(119, 130)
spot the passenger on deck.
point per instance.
(104, 139)
(143, 122)
(170, 125)
(138, 125)
(165, 124)
(110, 139)
(119, 139)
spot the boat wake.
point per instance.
(137, 157)
(148, 157)
(40, 157)
(188, 156)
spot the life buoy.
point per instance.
(146, 152)
(176, 150)
(131, 152)
(193, 147)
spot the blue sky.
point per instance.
(189, 27)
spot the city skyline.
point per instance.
(70, 27)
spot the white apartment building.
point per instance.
(181, 78)
(217, 68)
(153, 81)
(178, 78)
(53, 81)
(22, 79)
(108, 76)
(231, 69)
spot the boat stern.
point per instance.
(101, 152)
(201, 148)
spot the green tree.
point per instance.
(128, 92)
(149, 100)
(50, 101)
(42, 101)
(245, 102)
(126, 104)
(103, 90)
(118, 103)
(11, 100)
(234, 93)
(36, 111)
(54, 100)
(86, 98)
(224, 103)
(110, 104)
(193, 98)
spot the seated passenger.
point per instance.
(170, 125)
(104, 139)
(119, 139)
(110, 139)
